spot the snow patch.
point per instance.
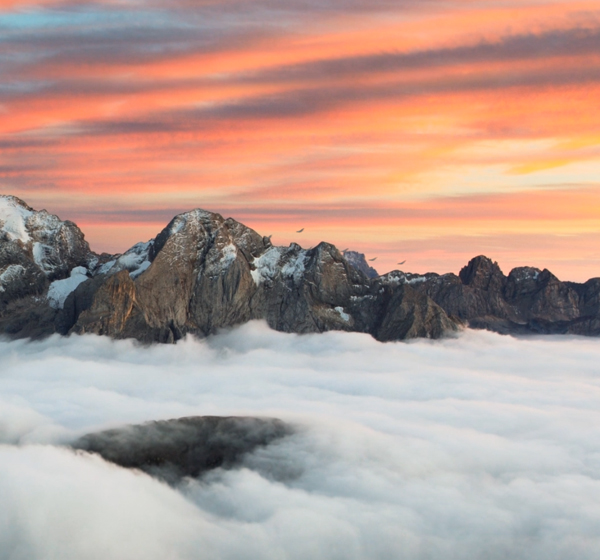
(343, 314)
(266, 265)
(416, 280)
(93, 263)
(13, 218)
(295, 266)
(60, 289)
(45, 233)
(229, 254)
(270, 263)
(219, 259)
(9, 274)
(136, 260)
(143, 267)
(526, 273)
(105, 268)
(178, 225)
(194, 218)
(41, 254)
(397, 277)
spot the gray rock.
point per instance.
(206, 273)
(528, 300)
(203, 273)
(359, 261)
(186, 447)
(36, 249)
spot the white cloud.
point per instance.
(476, 447)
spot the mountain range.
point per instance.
(203, 273)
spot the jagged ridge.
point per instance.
(203, 273)
(528, 300)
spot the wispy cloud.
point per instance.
(343, 105)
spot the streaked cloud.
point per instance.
(307, 110)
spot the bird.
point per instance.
(300, 230)
(374, 259)
(402, 262)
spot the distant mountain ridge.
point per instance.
(202, 273)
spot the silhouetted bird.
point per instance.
(371, 260)
(300, 230)
(402, 262)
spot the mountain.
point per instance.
(358, 261)
(202, 273)
(41, 258)
(527, 301)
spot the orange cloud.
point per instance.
(363, 125)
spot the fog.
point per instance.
(481, 447)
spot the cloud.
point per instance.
(554, 43)
(477, 447)
(235, 6)
(308, 101)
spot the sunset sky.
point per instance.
(425, 130)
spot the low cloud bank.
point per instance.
(480, 447)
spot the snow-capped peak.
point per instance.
(14, 214)
(55, 246)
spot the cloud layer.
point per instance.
(481, 447)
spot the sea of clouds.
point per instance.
(477, 447)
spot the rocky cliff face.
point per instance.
(39, 255)
(203, 273)
(528, 300)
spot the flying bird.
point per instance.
(402, 262)
(300, 230)
(374, 259)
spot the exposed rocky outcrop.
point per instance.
(528, 300)
(38, 254)
(185, 447)
(358, 261)
(203, 273)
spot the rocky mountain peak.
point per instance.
(482, 273)
(359, 261)
(55, 246)
(36, 248)
(203, 272)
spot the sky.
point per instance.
(482, 447)
(429, 131)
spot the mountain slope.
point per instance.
(205, 273)
(202, 273)
(38, 253)
(527, 301)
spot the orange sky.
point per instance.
(426, 131)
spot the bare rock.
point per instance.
(186, 447)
